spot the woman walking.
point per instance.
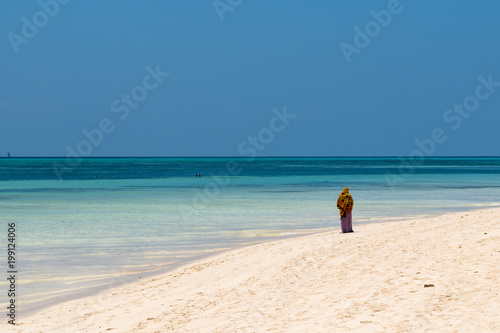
(345, 204)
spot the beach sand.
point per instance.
(372, 280)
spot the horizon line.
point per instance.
(257, 157)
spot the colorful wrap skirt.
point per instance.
(346, 223)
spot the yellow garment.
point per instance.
(345, 202)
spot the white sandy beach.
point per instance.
(369, 281)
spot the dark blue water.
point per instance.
(154, 168)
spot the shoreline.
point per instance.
(103, 308)
(132, 277)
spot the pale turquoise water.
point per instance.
(145, 214)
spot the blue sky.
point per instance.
(230, 63)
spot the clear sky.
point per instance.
(377, 78)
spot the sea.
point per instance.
(84, 225)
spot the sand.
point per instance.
(372, 280)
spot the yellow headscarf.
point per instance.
(345, 202)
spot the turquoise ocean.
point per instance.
(90, 224)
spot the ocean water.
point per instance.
(82, 226)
